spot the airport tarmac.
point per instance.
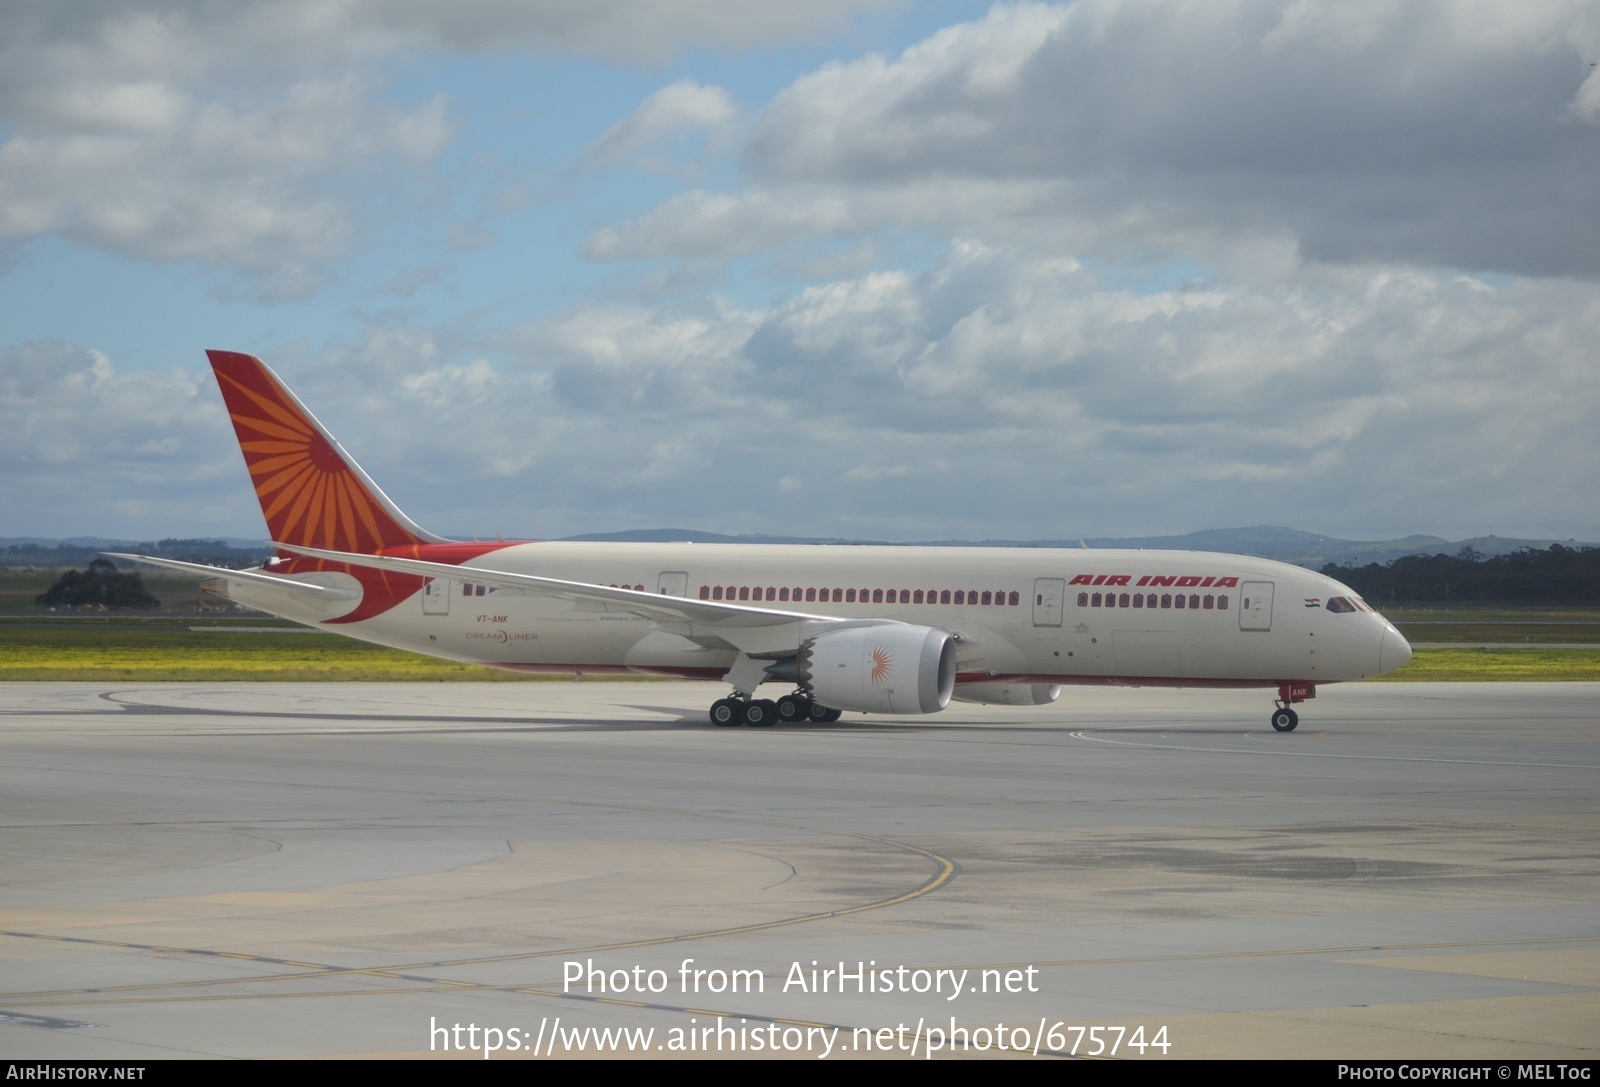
(284, 870)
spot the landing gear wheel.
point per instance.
(822, 715)
(1285, 719)
(793, 707)
(727, 713)
(761, 713)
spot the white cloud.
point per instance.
(669, 114)
(245, 190)
(78, 434)
(1191, 264)
(995, 394)
(1435, 133)
(618, 30)
(1003, 394)
(255, 137)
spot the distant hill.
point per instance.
(1309, 549)
(82, 550)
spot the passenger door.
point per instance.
(1255, 605)
(1047, 595)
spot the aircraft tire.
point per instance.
(761, 713)
(819, 713)
(727, 713)
(1285, 720)
(793, 707)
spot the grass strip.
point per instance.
(1498, 666)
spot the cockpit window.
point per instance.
(1360, 603)
(1340, 604)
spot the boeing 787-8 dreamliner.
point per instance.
(896, 630)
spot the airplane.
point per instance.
(880, 629)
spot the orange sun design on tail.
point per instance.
(307, 490)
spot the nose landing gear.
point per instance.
(1285, 719)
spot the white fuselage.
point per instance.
(1176, 618)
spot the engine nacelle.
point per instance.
(889, 668)
(1008, 694)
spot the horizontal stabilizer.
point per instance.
(305, 588)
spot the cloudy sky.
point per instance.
(845, 268)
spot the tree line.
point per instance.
(101, 585)
(1555, 575)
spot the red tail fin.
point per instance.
(311, 491)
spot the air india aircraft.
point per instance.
(897, 630)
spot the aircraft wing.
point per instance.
(755, 630)
(324, 592)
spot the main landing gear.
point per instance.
(1285, 719)
(764, 712)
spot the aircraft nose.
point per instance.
(1394, 652)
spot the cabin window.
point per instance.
(1083, 600)
(916, 597)
(1209, 602)
(811, 595)
(1178, 601)
(1194, 600)
(849, 596)
(944, 597)
(838, 595)
(988, 598)
(1166, 600)
(877, 596)
(705, 592)
(1222, 601)
(716, 593)
(1094, 600)
(744, 592)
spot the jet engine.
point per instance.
(887, 668)
(1008, 694)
